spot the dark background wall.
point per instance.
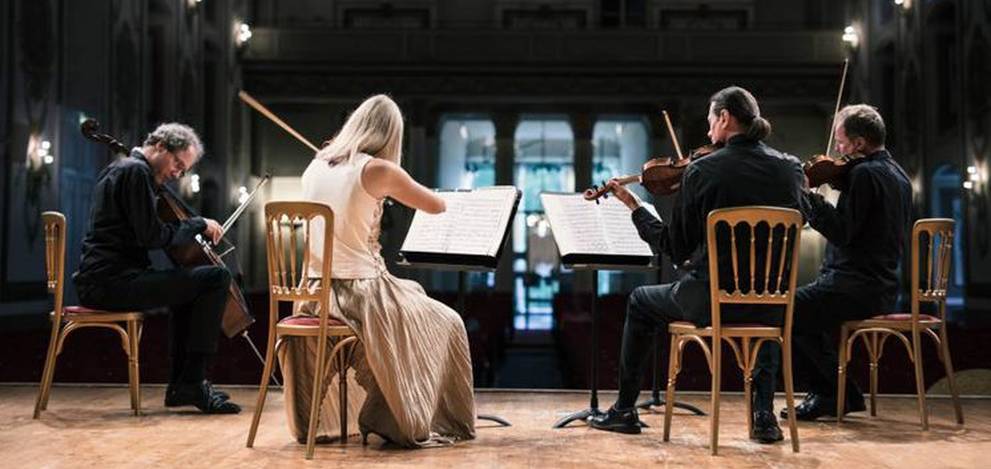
(133, 64)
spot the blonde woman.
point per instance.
(412, 365)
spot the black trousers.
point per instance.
(196, 298)
(653, 307)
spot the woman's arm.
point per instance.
(383, 178)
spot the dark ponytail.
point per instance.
(742, 105)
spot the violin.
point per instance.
(171, 208)
(825, 169)
(660, 176)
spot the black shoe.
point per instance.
(626, 421)
(204, 397)
(818, 405)
(170, 400)
(765, 429)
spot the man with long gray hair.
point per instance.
(115, 275)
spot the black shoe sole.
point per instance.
(618, 429)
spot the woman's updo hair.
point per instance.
(743, 106)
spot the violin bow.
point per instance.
(250, 101)
(674, 138)
(839, 97)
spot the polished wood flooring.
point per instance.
(93, 427)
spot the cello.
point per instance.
(171, 208)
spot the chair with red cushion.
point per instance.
(289, 226)
(66, 319)
(932, 250)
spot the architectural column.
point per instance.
(505, 123)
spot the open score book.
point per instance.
(470, 232)
(590, 233)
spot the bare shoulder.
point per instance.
(378, 168)
(380, 177)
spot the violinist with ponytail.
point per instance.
(114, 271)
(744, 171)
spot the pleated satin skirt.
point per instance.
(410, 377)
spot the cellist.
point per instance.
(744, 172)
(114, 271)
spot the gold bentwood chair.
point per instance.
(930, 275)
(66, 319)
(288, 228)
(784, 226)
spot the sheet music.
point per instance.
(584, 227)
(474, 223)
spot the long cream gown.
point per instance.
(410, 379)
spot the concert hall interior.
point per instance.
(549, 96)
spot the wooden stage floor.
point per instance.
(92, 427)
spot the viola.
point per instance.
(660, 176)
(171, 208)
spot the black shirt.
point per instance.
(124, 223)
(866, 230)
(744, 172)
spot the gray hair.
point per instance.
(861, 120)
(175, 137)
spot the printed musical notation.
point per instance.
(475, 223)
(584, 228)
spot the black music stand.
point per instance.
(462, 271)
(593, 405)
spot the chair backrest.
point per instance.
(932, 250)
(54, 226)
(289, 230)
(767, 240)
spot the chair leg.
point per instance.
(789, 393)
(920, 387)
(132, 332)
(717, 352)
(263, 387)
(63, 334)
(948, 364)
(342, 380)
(47, 372)
(311, 434)
(748, 379)
(841, 374)
(673, 360)
(875, 354)
(136, 354)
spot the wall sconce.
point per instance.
(194, 183)
(39, 152)
(463, 130)
(850, 37)
(193, 3)
(242, 195)
(976, 176)
(242, 32)
(905, 4)
(619, 130)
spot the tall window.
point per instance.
(619, 148)
(945, 202)
(467, 161)
(544, 162)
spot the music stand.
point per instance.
(593, 405)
